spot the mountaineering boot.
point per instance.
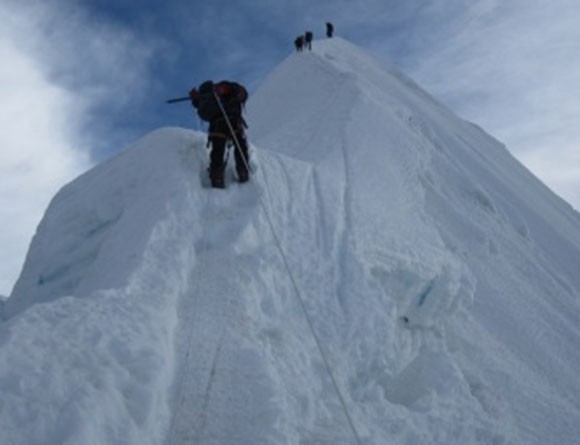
(216, 175)
(218, 183)
(242, 172)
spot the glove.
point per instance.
(194, 96)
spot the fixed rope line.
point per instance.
(311, 326)
(293, 281)
(187, 365)
(232, 132)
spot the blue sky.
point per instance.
(83, 79)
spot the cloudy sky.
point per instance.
(81, 79)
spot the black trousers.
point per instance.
(219, 135)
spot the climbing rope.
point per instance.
(311, 325)
(294, 283)
(232, 132)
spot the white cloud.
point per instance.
(562, 172)
(513, 67)
(100, 61)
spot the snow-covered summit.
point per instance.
(391, 273)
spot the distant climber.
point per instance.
(299, 43)
(308, 39)
(329, 29)
(223, 128)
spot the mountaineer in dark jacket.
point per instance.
(231, 96)
(308, 39)
(329, 29)
(299, 43)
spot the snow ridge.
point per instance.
(439, 276)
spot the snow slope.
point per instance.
(390, 275)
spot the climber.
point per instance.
(225, 124)
(308, 39)
(329, 29)
(299, 43)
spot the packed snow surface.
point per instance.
(390, 275)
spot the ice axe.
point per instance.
(178, 99)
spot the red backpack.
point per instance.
(232, 96)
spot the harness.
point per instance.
(240, 125)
